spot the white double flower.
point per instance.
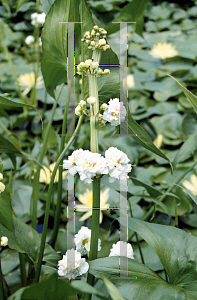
(69, 269)
(88, 164)
(115, 112)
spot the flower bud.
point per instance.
(92, 43)
(104, 106)
(1, 176)
(95, 65)
(4, 241)
(2, 187)
(96, 27)
(82, 104)
(90, 47)
(87, 42)
(102, 42)
(87, 33)
(82, 40)
(97, 34)
(91, 100)
(93, 32)
(78, 110)
(88, 62)
(99, 72)
(106, 71)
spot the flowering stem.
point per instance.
(95, 226)
(48, 202)
(149, 213)
(37, 174)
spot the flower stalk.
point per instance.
(94, 228)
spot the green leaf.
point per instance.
(54, 42)
(6, 146)
(50, 289)
(192, 196)
(131, 12)
(188, 147)
(191, 97)
(6, 5)
(141, 137)
(6, 218)
(144, 282)
(84, 287)
(176, 250)
(8, 102)
(46, 4)
(152, 191)
(26, 240)
(114, 293)
(19, 4)
(6, 32)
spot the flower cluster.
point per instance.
(87, 199)
(115, 250)
(69, 269)
(38, 19)
(80, 109)
(115, 112)
(2, 186)
(4, 241)
(88, 164)
(91, 67)
(82, 241)
(163, 51)
(96, 39)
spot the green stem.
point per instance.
(22, 269)
(37, 174)
(47, 209)
(59, 193)
(138, 243)
(149, 213)
(94, 227)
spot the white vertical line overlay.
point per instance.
(123, 228)
(123, 183)
(71, 66)
(123, 74)
(71, 220)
